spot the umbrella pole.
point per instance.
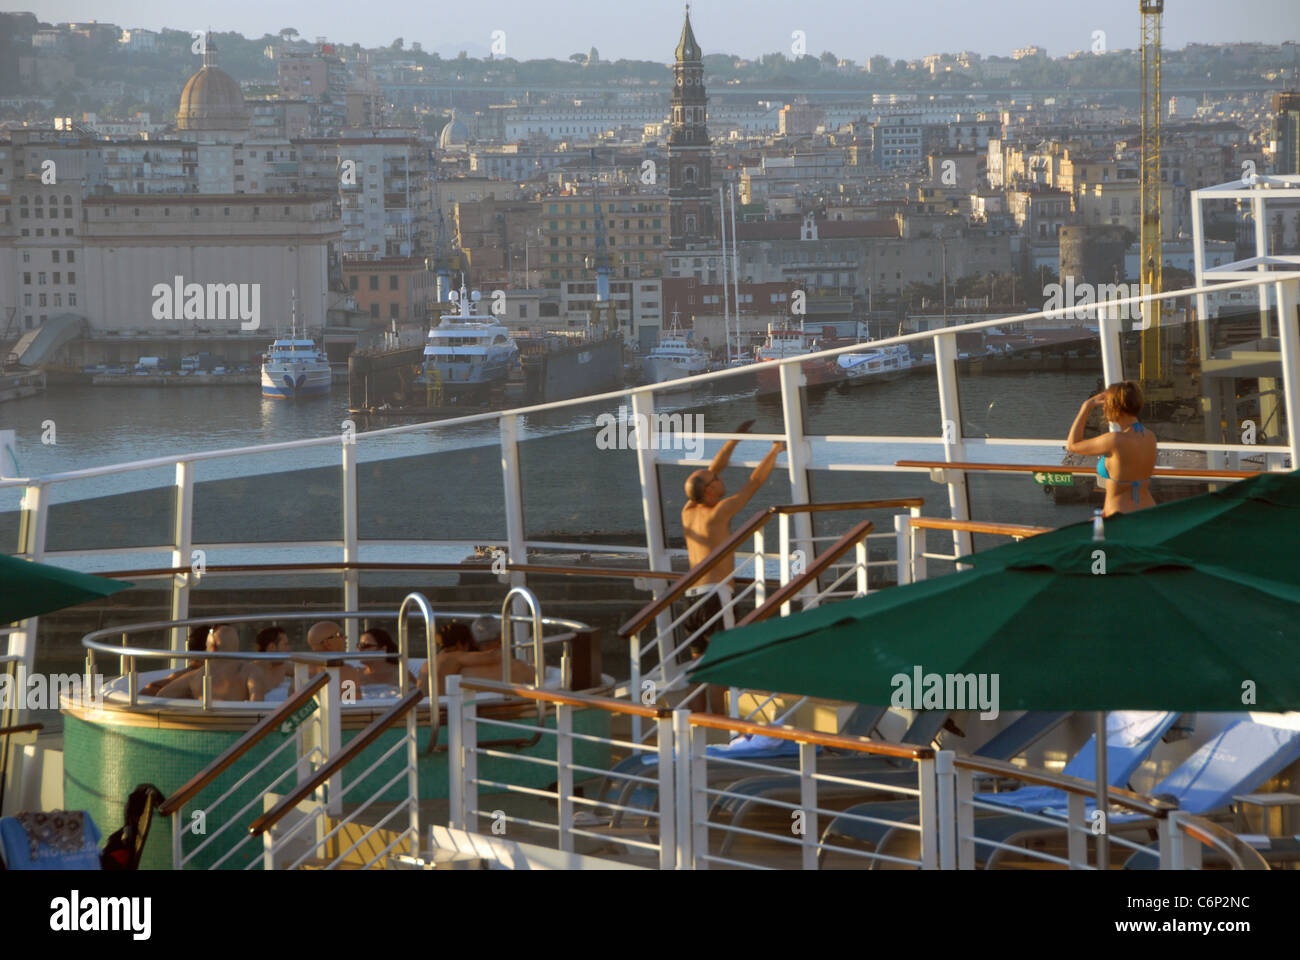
(1103, 800)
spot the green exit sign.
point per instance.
(1054, 479)
(295, 719)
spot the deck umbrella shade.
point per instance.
(1102, 625)
(1251, 526)
(29, 589)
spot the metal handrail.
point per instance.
(491, 416)
(431, 661)
(336, 763)
(21, 728)
(1168, 472)
(363, 567)
(810, 575)
(1241, 855)
(1150, 806)
(690, 577)
(241, 746)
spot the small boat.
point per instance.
(785, 342)
(467, 354)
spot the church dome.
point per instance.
(212, 99)
(454, 134)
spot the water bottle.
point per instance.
(1098, 527)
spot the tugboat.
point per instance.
(674, 357)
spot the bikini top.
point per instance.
(1137, 484)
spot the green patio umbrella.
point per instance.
(1252, 526)
(1102, 625)
(29, 589)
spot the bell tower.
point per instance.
(690, 184)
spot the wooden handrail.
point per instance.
(241, 747)
(21, 728)
(834, 740)
(1126, 798)
(979, 526)
(837, 549)
(1069, 468)
(345, 756)
(686, 580)
(574, 700)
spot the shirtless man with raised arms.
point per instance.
(706, 522)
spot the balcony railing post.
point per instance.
(182, 526)
(1288, 294)
(1112, 355)
(331, 791)
(667, 790)
(351, 578)
(178, 827)
(862, 556)
(31, 544)
(808, 805)
(455, 754)
(760, 568)
(647, 466)
(929, 813)
(954, 448)
(965, 819)
(512, 487)
(697, 809)
(1171, 854)
(564, 774)
(903, 548)
(945, 777)
(797, 457)
(682, 801)
(1077, 837)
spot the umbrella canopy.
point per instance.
(1097, 626)
(29, 589)
(1244, 526)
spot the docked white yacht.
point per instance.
(467, 353)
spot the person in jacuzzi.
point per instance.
(229, 677)
(328, 637)
(458, 652)
(380, 672)
(266, 675)
(197, 640)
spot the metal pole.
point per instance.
(735, 262)
(1103, 839)
(1288, 294)
(726, 315)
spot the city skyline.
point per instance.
(641, 32)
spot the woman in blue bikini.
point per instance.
(1127, 456)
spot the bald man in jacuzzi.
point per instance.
(328, 637)
(229, 677)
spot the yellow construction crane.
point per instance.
(1151, 255)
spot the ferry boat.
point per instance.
(294, 368)
(467, 353)
(575, 767)
(877, 365)
(674, 356)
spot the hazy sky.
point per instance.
(648, 29)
